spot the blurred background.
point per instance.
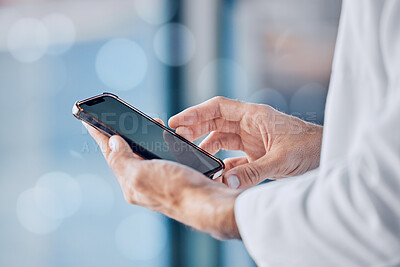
(59, 203)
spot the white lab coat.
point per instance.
(346, 212)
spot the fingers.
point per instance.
(100, 139)
(231, 163)
(234, 162)
(219, 179)
(217, 107)
(250, 174)
(115, 150)
(195, 131)
(159, 121)
(120, 154)
(217, 141)
(181, 153)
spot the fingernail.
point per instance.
(113, 144)
(233, 181)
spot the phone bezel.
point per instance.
(77, 109)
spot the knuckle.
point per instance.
(217, 144)
(131, 189)
(229, 164)
(218, 99)
(251, 174)
(266, 108)
(113, 161)
(259, 119)
(225, 141)
(118, 161)
(128, 197)
(212, 126)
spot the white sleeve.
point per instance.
(345, 214)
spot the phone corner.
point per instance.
(75, 110)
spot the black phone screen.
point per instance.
(154, 140)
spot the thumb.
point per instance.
(120, 153)
(247, 175)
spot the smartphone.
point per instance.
(148, 138)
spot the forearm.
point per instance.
(312, 144)
(210, 209)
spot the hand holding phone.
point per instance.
(147, 138)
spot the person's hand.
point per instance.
(276, 145)
(171, 188)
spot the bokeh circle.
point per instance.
(308, 103)
(142, 236)
(97, 194)
(57, 195)
(121, 64)
(156, 12)
(270, 97)
(61, 33)
(32, 218)
(174, 44)
(27, 40)
(215, 71)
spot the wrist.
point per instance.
(313, 143)
(211, 209)
(225, 225)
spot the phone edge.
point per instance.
(77, 110)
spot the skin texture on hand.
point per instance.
(276, 145)
(171, 189)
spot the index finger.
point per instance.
(216, 107)
(100, 139)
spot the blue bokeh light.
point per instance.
(97, 194)
(31, 217)
(156, 12)
(27, 40)
(142, 236)
(308, 103)
(270, 97)
(121, 64)
(57, 195)
(182, 48)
